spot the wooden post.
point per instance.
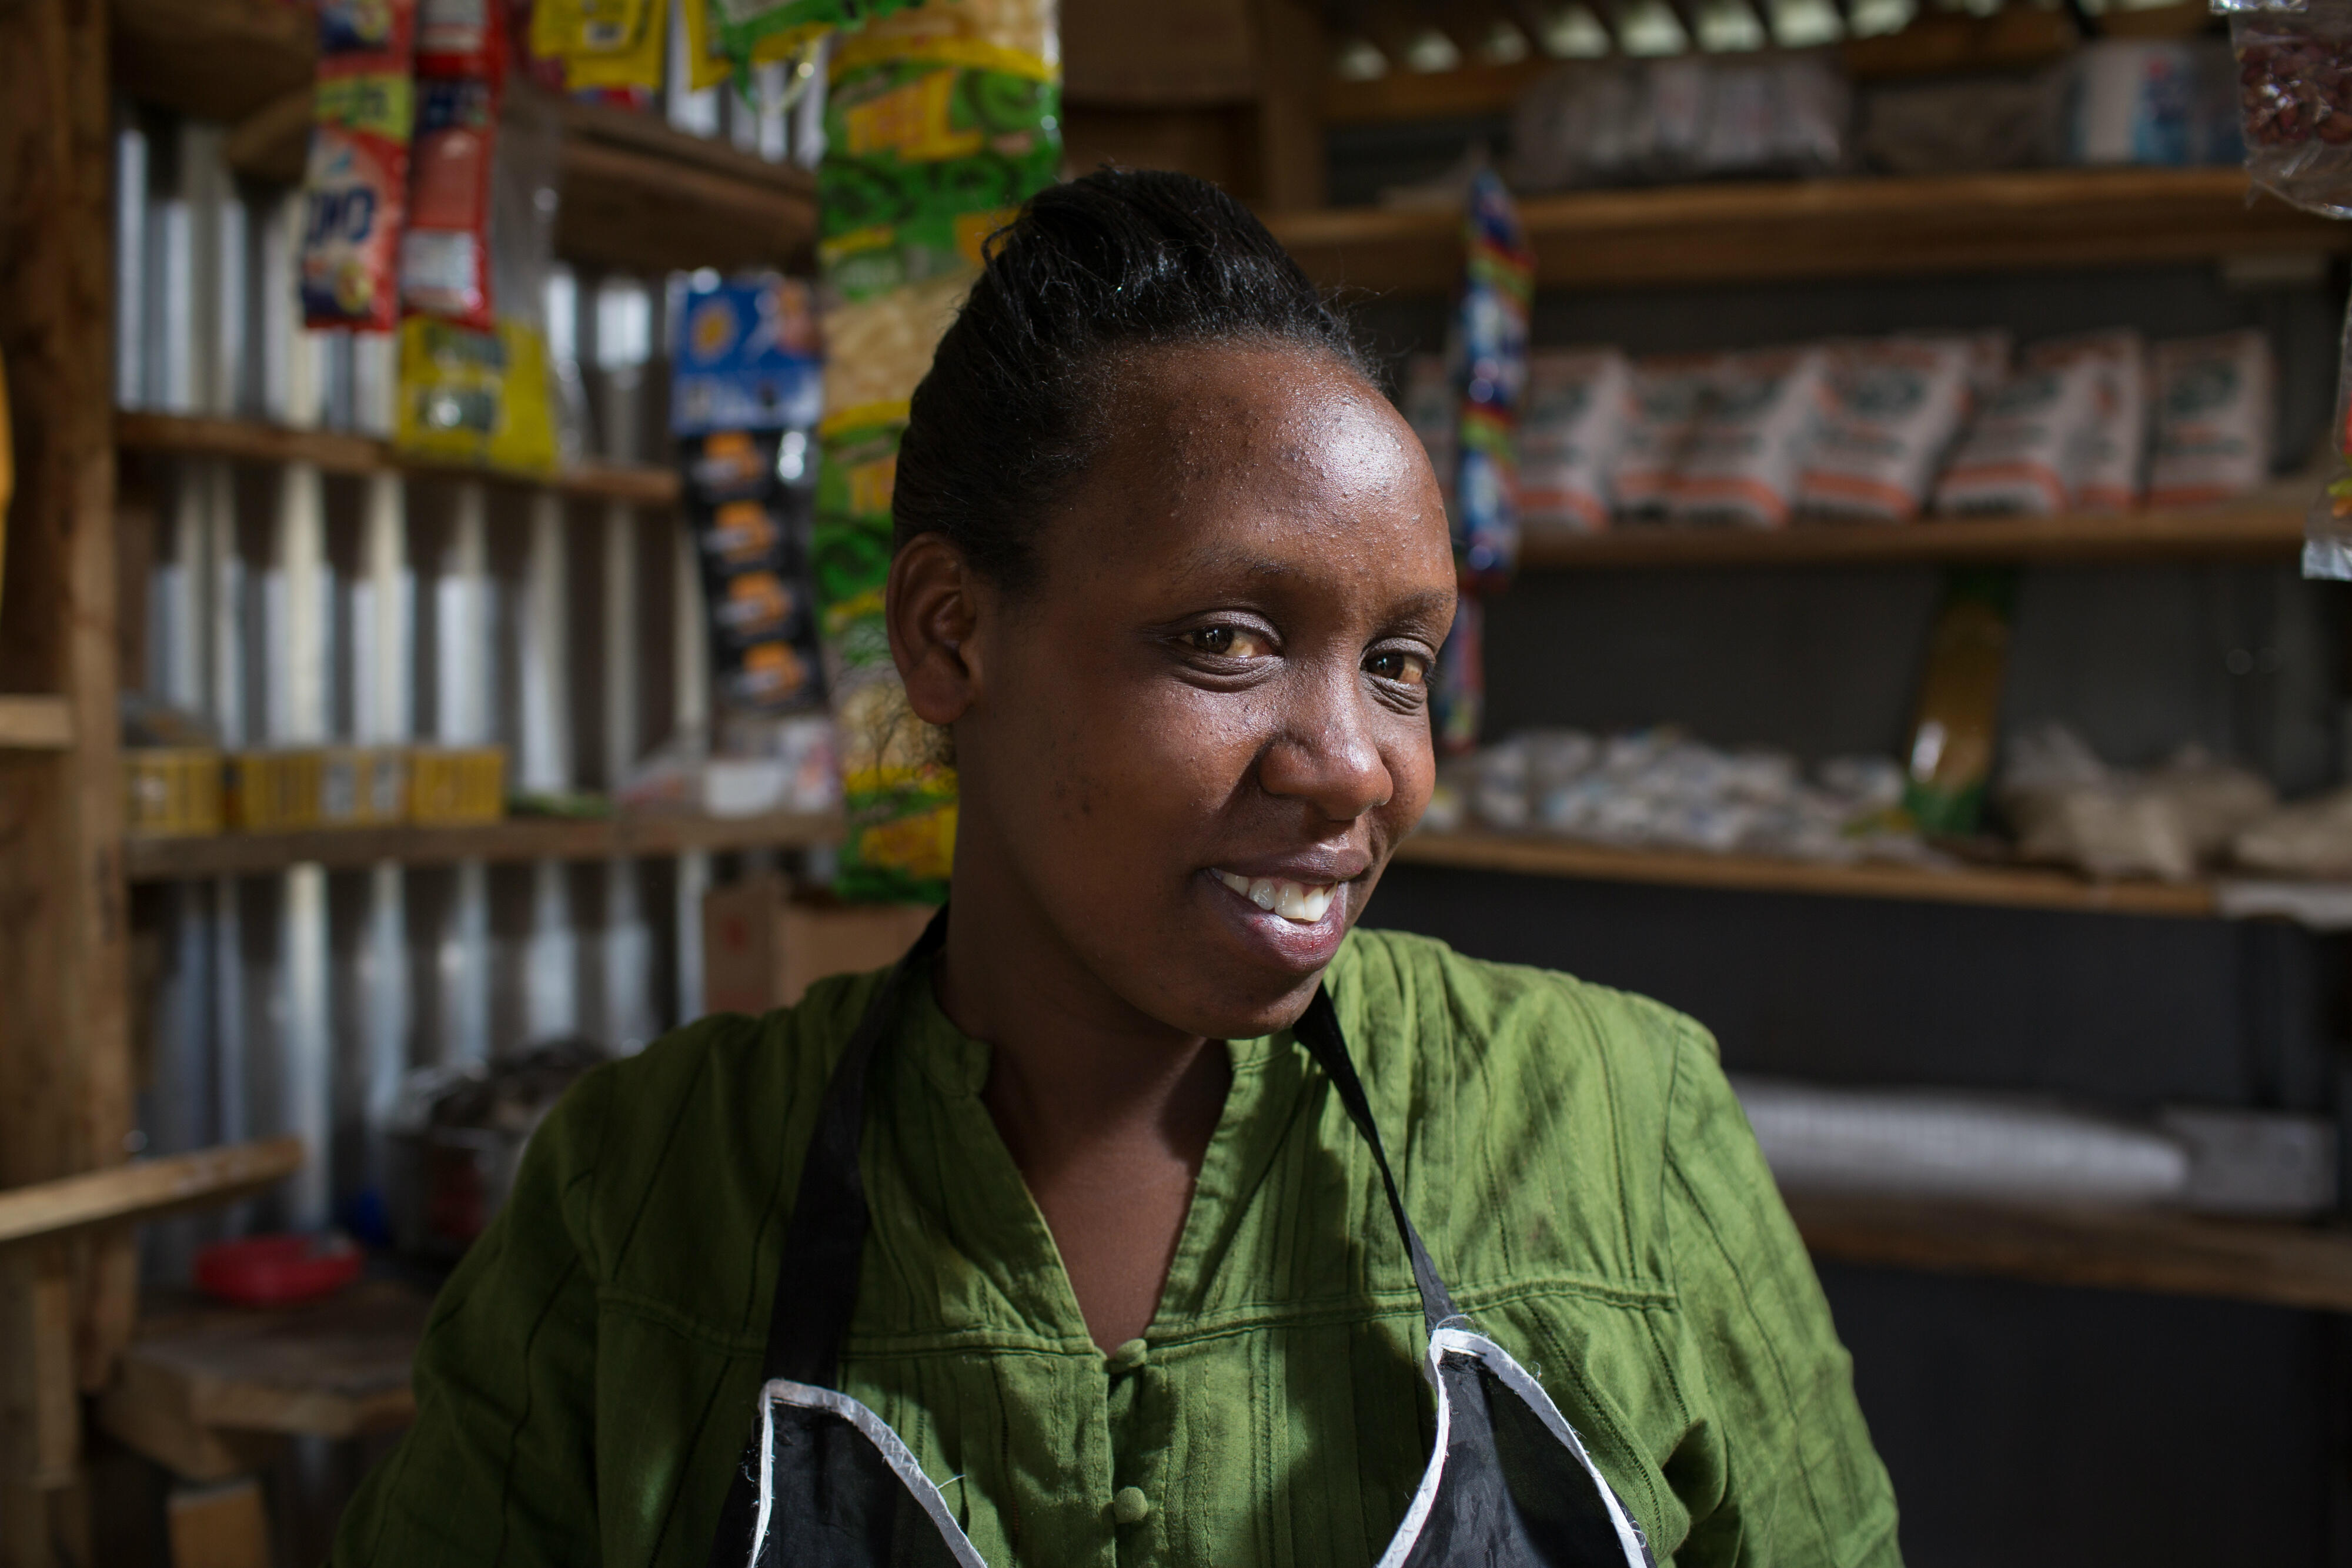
(65, 1067)
(1293, 62)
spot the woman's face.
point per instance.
(1190, 745)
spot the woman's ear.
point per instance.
(931, 608)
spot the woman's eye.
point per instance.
(1226, 642)
(1397, 664)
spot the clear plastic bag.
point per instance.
(2327, 526)
(2294, 102)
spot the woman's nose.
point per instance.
(1327, 755)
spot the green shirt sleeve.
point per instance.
(499, 1466)
(1782, 1471)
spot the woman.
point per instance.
(1072, 1205)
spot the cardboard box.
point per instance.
(451, 786)
(172, 791)
(762, 948)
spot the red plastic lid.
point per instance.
(274, 1270)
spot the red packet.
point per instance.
(445, 257)
(356, 188)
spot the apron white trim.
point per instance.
(876, 1431)
(1462, 1342)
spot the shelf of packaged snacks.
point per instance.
(1769, 231)
(2113, 1248)
(2266, 526)
(634, 191)
(517, 839)
(341, 452)
(35, 724)
(2012, 886)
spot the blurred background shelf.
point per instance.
(339, 452)
(35, 724)
(2013, 887)
(2268, 527)
(2125, 1249)
(521, 839)
(1756, 231)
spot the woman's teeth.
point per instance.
(1302, 901)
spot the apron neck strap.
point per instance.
(824, 1240)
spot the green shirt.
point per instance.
(1582, 1174)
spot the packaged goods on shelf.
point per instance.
(1578, 402)
(1950, 760)
(2114, 442)
(2164, 102)
(1658, 788)
(1973, 126)
(1752, 438)
(2294, 99)
(355, 189)
(274, 791)
(604, 43)
(2065, 805)
(2214, 398)
(1960, 1145)
(2024, 449)
(173, 792)
(1670, 393)
(940, 122)
(2309, 838)
(1894, 405)
(453, 786)
(1691, 116)
(363, 786)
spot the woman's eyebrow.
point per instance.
(1428, 601)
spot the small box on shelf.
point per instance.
(450, 786)
(173, 792)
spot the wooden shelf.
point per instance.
(636, 193)
(2014, 887)
(339, 451)
(143, 1189)
(2268, 525)
(35, 724)
(1767, 231)
(2124, 1250)
(520, 838)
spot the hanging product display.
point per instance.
(744, 399)
(614, 44)
(355, 189)
(487, 398)
(1490, 371)
(445, 257)
(939, 123)
(2294, 99)
(750, 31)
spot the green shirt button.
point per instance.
(1129, 1356)
(1130, 1506)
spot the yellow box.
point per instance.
(454, 785)
(276, 791)
(363, 786)
(171, 792)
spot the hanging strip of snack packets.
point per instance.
(356, 186)
(614, 44)
(1490, 371)
(445, 257)
(939, 122)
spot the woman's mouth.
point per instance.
(1301, 902)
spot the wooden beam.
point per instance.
(217, 59)
(143, 1189)
(65, 1061)
(36, 724)
(1295, 66)
(336, 452)
(1530, 854)
(2117, 1249)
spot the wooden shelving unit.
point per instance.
(2124, 1250)
(2266, 527)
(2016, 888)
(339, 451)
(35, 724)
(518, 839)
(1773, 231)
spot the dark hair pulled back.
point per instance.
(1009, 413)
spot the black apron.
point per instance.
(826, 1483)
